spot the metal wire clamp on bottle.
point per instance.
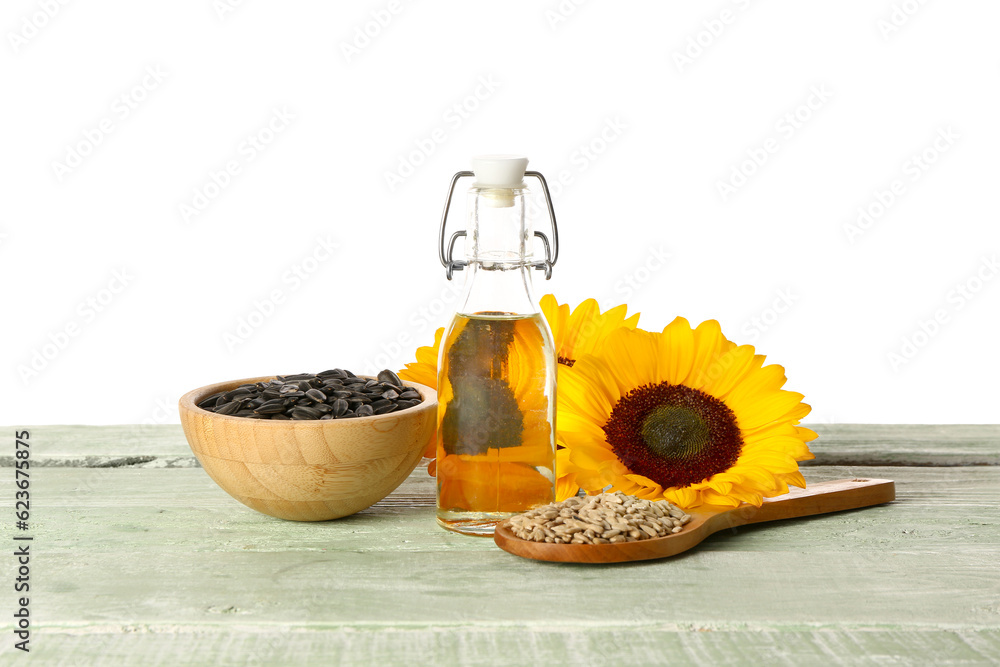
(446, 251)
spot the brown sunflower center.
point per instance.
(672, 434)
(566, 362)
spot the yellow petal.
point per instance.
(765, 380)
(677, 351)
(807, 435)
(633, 358)
(725, 372)
(583, 393)
(767, 408)
(685, 498)
(587, 456)
(650, 488)
(566, 487)
(708, 343)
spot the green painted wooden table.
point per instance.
(139, 559)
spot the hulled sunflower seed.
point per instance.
(607, 518)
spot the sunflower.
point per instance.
(685, 415)
(574, 333)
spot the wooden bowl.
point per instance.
(308, 470)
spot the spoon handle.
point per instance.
(820, 498)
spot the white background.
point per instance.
(660, 134)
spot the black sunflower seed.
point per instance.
(230, 395)
(271, 407)
(209, 403)
(334, 394)
(228, 408)
(297, 377)
(390, 377)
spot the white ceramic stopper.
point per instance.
(500, 175)
(499, 171)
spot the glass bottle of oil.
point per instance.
(497, 366)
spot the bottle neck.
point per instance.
(499, 254)
(498, 291)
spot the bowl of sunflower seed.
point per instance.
(310, 447)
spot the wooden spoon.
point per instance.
(819, 498)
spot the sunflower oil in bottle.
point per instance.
(497, 367)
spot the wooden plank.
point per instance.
(163, 445)
(153, 548)
(444, 645)
(146, 445)
(906, 444)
